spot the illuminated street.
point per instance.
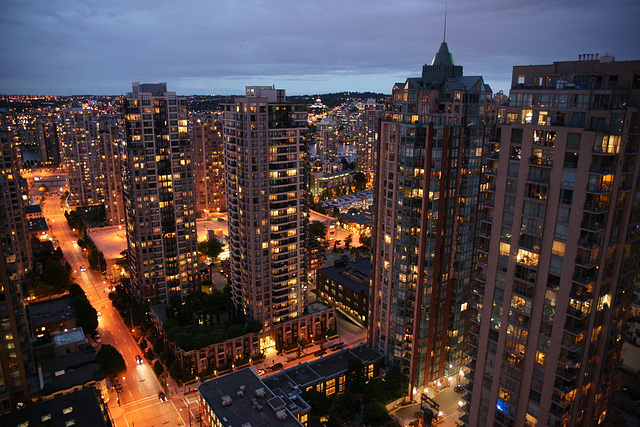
(139, 403)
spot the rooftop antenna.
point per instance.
(444, 36)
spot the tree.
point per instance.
(348, 240)
(365, 241)
(55, 276)
(143, 344)
(211, 248)
(158, 346)
(360, 180)
(175, 370)
(318, 230)
(124, 260)
(335, 245)
(158, 368)
(86, 315)
(375, 413)
(111, 360)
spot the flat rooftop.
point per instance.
(82, 407)
(51, 310)
(248, 401)
(111, 241)
(69, 337)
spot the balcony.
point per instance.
(577, 314)
(593, 226)
(581, 295)
(589, 244)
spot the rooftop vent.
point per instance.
(246, 425)
(282, 415)
(226, 400)
(260, 392)
(240, 393)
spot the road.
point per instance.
(138, 403)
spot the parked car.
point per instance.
(276, 367)
(261, 372)
(320, 353)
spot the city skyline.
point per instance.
(79, 48)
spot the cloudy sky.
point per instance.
(63, 47)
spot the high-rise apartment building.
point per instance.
(205, 132)
(158, 193)
(370, 114)
(265, 160)
(558, 246)
(15, 263)
(82, 154)
(427, 185)
(109, 135)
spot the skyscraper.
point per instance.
(427, 184)
(82, 154)
(265, 154)
(558, 246)
(109, 135)
(15, 263)
(158, 192)
(205, 132)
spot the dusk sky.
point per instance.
(64, 47)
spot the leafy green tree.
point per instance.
(318, 230)
(111, 360)
(320, 404)
(175, 370)
(375, 413)
(360, 180)
(211, 248)
(123, 261)
(158, 368)
(86, 315)
(55, 276)
(348, 240)
(365, 241)
(345, 406)
(76, 290)
(158, 346)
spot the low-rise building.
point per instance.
(242, 399)
(81, 408)
(326, 374)
(345, 286)
(71, 372)
(53, 315)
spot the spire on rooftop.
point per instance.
(443, 57)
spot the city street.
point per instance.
(140, 385)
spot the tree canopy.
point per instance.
(211, 248)
(360, 179)
(111, 360)
(318, 230)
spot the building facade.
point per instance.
(205, 131)
(265, 160)
(83, 155)
(429, 168)
(370, 114)
(158, 193)
(557, 247)
(15, 264)
(109, 134)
